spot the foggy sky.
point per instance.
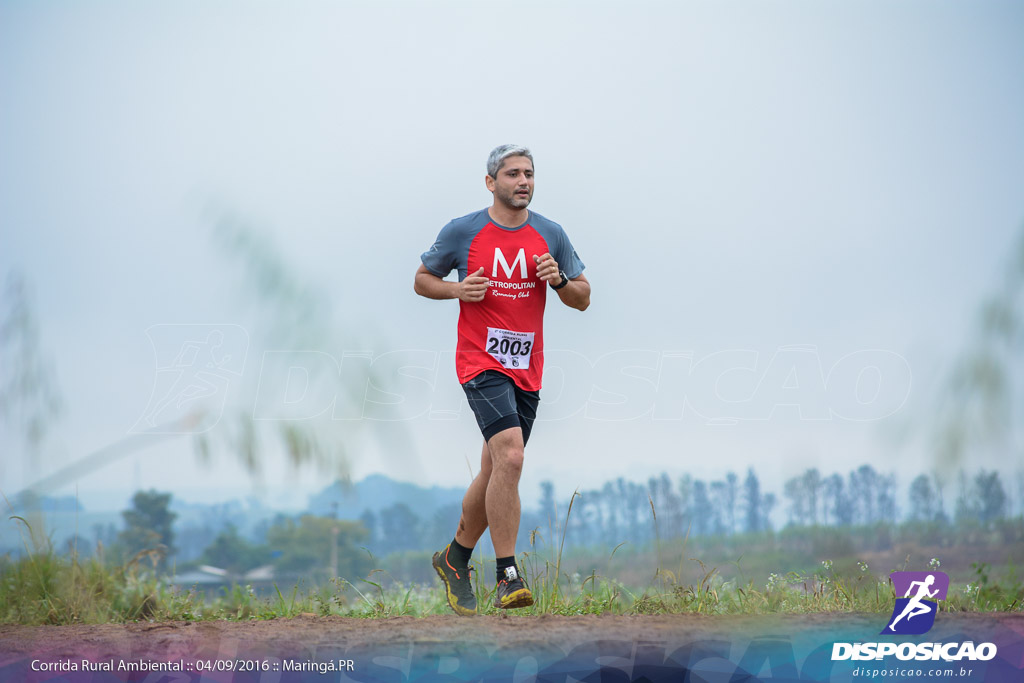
(740, 179)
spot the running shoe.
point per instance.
(512, 592)
(457, 585)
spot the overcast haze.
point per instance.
(739, 178)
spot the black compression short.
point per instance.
(499, 404)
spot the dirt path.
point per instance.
(503, 648)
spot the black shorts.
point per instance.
(499, 404)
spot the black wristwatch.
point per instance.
(564, 281)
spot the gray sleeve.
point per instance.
(567, 258)
(440, 259)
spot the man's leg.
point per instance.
(492, 499)
(452, 563)
(474, 510)
(503, 514)
(502, 492)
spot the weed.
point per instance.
(43, 587)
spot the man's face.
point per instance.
(514, 185)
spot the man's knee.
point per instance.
(507, 450)
(512, 460)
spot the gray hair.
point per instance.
(497, 158)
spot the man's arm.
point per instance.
(473, 288)
(576, 292)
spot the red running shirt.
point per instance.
(504, 331)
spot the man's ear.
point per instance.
(489, 181)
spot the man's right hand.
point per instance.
(474, 287)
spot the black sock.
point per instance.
(458, 554)
(503, 563)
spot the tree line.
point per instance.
(689, 507)
(617, 511)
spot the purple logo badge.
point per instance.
(914, 612)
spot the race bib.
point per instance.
(511, 349)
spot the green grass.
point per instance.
(44, 587)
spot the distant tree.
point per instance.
(939, 484)
(700, 509)
(235, 554)
(990, 495)
(922, 499)
(729, 499)
(812, 488)
(192, 540)
(595, 530)
(400, 527)
(863, 493)
(767, 506)
(966, 505)
(578, 524)
(885, 502)
(304, 546)
(670, 506)
(369, 521)
(612, 514)
(717, 494)
(981, 499)
(752, 501)
(836, 501)
(635, 497)
(547, 503)
(685, 489)
(794, 491)
(149, 524)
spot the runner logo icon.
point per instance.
(914, 613)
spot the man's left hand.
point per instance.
(547, 269)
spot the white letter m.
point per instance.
(520, 259)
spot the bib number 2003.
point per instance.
(511, 349)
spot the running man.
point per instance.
(915, 606)
(506, 257)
